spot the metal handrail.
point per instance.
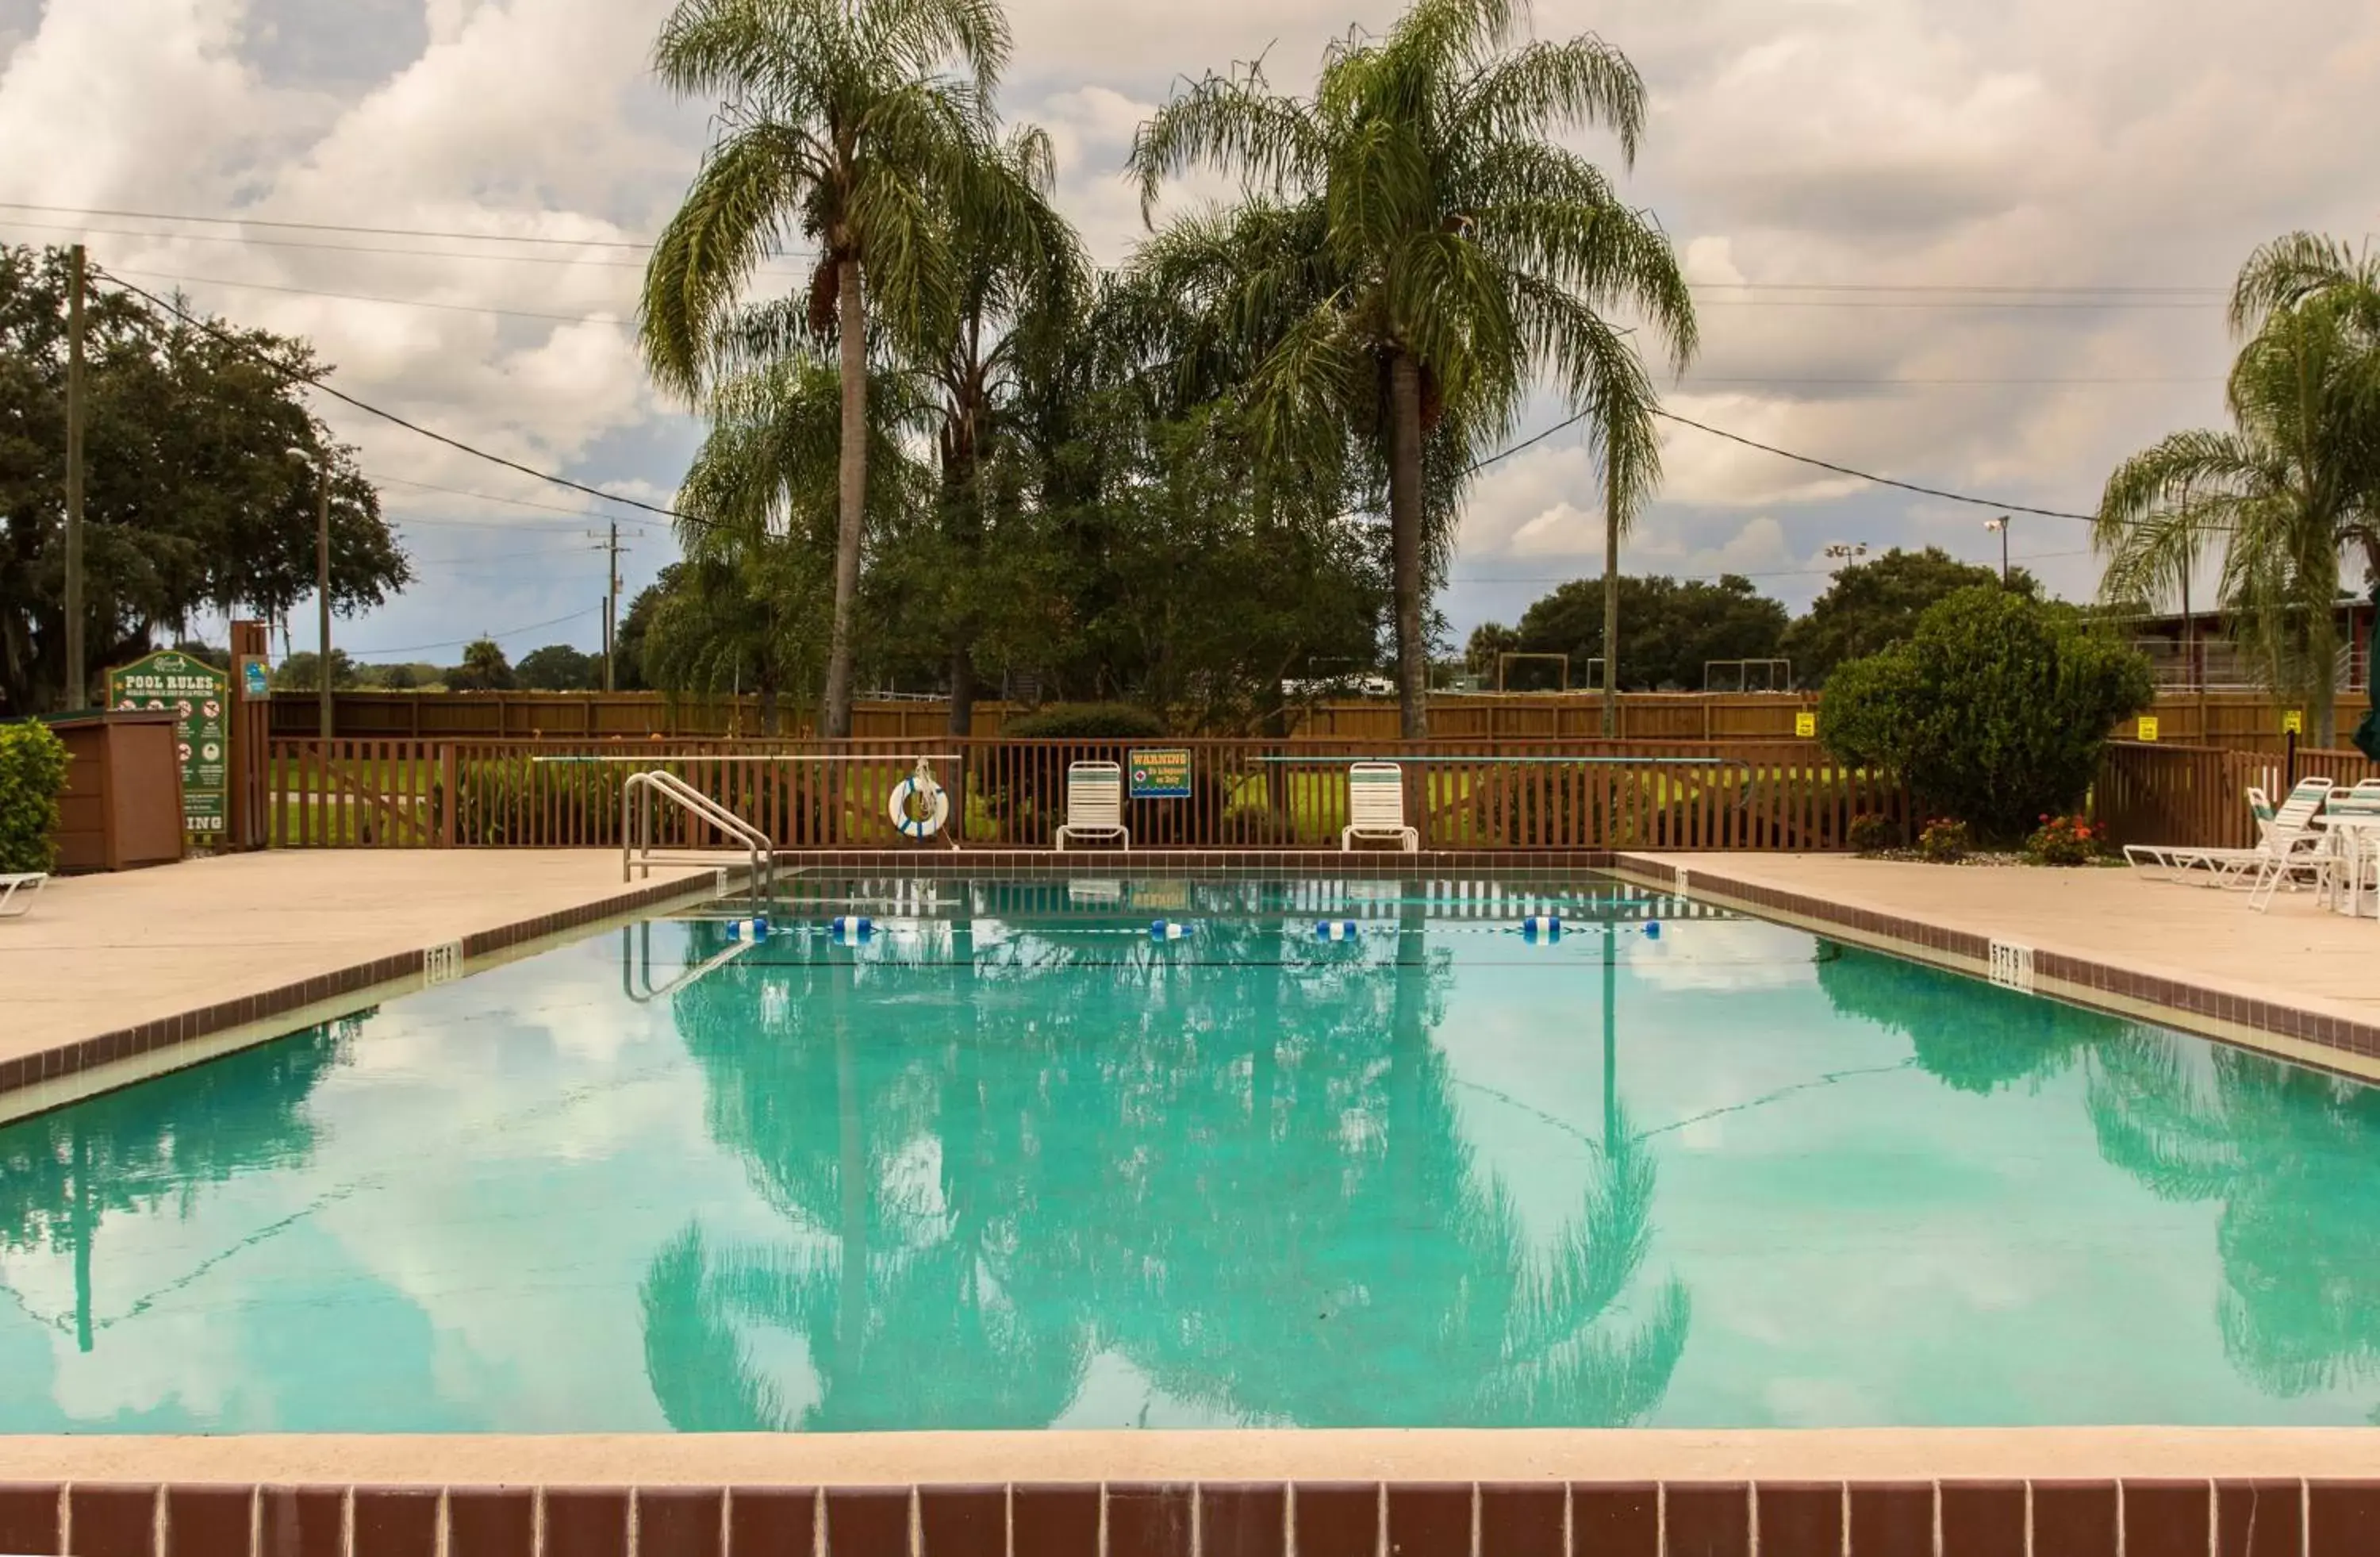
(637, 808)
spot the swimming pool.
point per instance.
(1012, 1161)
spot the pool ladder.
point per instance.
(637, 849)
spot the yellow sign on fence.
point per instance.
(2294, 722)
(2148, 726)
(1805, 725)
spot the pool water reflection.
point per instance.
(1011, 1164)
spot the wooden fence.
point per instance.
(2197, 795)
(2245, 720)
(550, 793)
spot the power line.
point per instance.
(2118, 289)
(319, 227)
(371, 249)
(500, 556)
(1968, 303)
(2084, 290)
(1692, 379)
(1865, 476)
(689, 518)
(492, 497)
(457, 642)
(359, 298)
(413, 427)
(1551, 577)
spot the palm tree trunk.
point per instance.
(851, 497)
(1404, 543)
(962, 690)
(1611, 594)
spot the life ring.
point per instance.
(935, 798)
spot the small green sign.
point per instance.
(1160, 773)
(198, 696)
(255, 677)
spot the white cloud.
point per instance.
(1911, 143)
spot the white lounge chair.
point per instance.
(1094, 804)
(28, 882)
(2290, 842)
(1376, 807)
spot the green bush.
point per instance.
(32, 776)
(2063, 840)
(1993, 711)
(1871, 834)
(515, 801)
(1080, 722)
(1945, 842)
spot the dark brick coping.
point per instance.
(2117, 988)
(165, 1032)
(2172, 1518)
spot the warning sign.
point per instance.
(1162, 773)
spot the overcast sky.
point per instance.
(2027, 210)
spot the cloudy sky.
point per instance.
(1974, 246)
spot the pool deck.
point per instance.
(108, 977)
(2298, 981)
(212, 955)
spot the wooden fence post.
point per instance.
(450, 801)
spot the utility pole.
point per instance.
(322, 588)
(2001, 524)
(78, 666)
(610, 597)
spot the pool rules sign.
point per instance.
(199, 696)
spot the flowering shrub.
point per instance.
(2063, 840)
(1870, 834)
(1944, 841)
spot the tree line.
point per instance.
(1679, 628)
(203, 466)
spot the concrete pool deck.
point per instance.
(2300, 980)
(108, 975)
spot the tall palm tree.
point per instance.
(1017, 276)
(1415, 247)
(2293, 484)
(839, 123)
(760, 503)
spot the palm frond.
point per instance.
(1225, 121)
(735, 216)
(1545, 88)
(2288, 271)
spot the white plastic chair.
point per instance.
(29, 883)
(1376, 807)
(1094, 804)
(2294, 850)
(2291, 844)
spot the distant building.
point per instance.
(2197, 652)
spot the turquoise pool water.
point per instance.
(1011, 1164)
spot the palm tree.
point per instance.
(1413, 248)
(759, 507)
(2294, 482)
(1017, 277)
(839, 125)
